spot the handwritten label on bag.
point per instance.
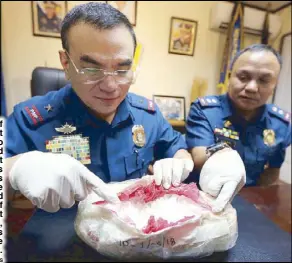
(150, 242)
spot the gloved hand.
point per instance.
(172, 171)
(222, 176)
(51, 181)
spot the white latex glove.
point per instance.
(222, 176)
(51, 181)
(172, 171)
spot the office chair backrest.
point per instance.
(47, 79)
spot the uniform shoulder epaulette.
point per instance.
(38, 109)
(281, 114)
(141, 102)
(209, 101)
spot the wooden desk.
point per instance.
(273, 201)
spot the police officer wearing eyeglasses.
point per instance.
(63, 145)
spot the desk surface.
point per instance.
(261, 237)
(273, 201)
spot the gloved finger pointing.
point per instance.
(107, 194)
(98, 186)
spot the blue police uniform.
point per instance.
(114, 155)
(113, 152)
(212, 113)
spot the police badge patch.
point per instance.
(138, 134)
(269, 137)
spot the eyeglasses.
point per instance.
(94, 75)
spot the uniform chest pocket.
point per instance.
(265, 153)
(139, 160)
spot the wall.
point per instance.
(161, 73)
(285, 15)
(285, 80)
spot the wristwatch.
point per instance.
(216, 147)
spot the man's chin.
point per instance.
(249, 104)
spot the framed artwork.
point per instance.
(128, 8)
(182, 38)
(47, 17)
(172, 108)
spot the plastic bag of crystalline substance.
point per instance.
(151, 222)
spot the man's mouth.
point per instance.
(107, 99)
(248, 98)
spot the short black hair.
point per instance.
(257, 48)
(99, 15)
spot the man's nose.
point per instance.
(252, 86)
(108, 84)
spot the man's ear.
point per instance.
(65, 63)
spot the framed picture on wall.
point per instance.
(128, 8)
(47, 17)
(171, 107)
(182, 38)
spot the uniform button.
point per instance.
(141, 101)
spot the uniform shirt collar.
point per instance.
(228, 110)
(226, 106)
(263, 119)
(123, 113)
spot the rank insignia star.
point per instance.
(48, 108)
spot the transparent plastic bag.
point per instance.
(152, 223)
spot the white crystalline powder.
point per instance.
(169, 207)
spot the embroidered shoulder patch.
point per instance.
(142, 103)
(33, 115)
(37, 113)
(209, 101)
(284, 115)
